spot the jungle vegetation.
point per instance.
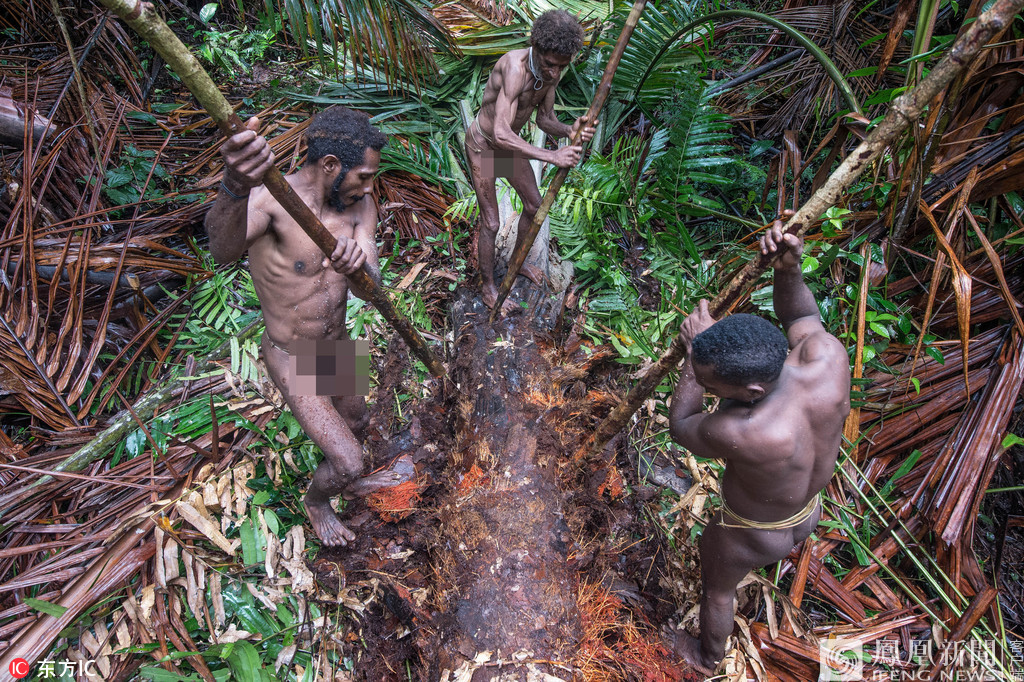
(150, 508)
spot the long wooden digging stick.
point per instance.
(142, 17)
(906, 109)
(519, 255)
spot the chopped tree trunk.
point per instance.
(505, 559)
(506, 564)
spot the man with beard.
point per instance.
(304, 295)
(523, 81)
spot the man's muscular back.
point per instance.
(782, 451)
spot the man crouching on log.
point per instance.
(304, 295)
(523, 81)
(778, 427)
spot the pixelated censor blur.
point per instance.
(330, 367)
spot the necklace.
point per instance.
(538, 81)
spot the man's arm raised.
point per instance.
(234, 222)
(686, 413)
(793, 301)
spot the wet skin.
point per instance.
(303, 296)
(509, 101)
(780, 441)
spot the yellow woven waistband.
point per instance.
(794, 520)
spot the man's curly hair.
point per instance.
(742, 348)
(557, 31)
(345, 133)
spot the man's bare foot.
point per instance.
(687, 647)
(490, 296)
(400, 471)
(534, 274)
(326, 524)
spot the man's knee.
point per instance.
(720, 597)
(530, 205)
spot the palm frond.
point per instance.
(391, 36)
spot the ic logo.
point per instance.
(18, 668)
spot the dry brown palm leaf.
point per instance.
(960, 279)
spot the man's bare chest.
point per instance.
(291, 247)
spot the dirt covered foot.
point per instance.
(534, 274)
(326, 524)
(490, 296)
(687, 647)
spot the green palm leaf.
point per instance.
(392, 36)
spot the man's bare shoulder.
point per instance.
(510, 69)
(819, 346)
(725, 433)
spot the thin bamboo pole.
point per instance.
(519, 255)
(143, 17)
(905, 109)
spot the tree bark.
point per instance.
(505, 566)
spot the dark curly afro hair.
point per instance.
(742, 348)
(557, 31)
(344, 133)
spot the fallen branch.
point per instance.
(605, 87)
(906, 109)
(142, 17)
(125, 421)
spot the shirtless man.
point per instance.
(778, 427)
(302, 293)
(523, 81)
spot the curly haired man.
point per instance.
(523, 81)
(303, 294)
(778, 427)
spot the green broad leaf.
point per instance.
(810, 264)
(207, 12)
(245, 664)
(1008, 442)
(161, 675)
(917, 385)
(142, 116)
(248, 536)
(884, 96)
(55, 610)
(880, 329)
(759, 147)
(935, 354)
(867, 71)
(262, 497)
(136, 443)
(273, 523)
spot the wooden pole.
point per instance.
(905, 109)
(519, 255)
(142, 17)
